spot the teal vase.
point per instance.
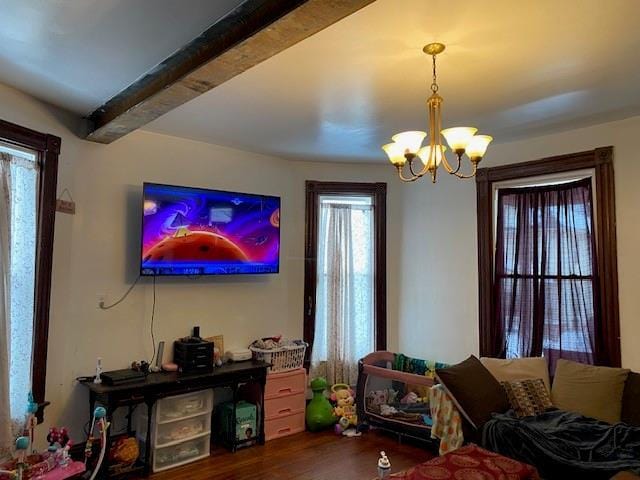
(319, 413)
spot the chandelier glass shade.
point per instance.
(406, 147)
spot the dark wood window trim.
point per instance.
(314, 190)
(599, 159)
(47, 148)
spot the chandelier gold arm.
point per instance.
(455, 172)
(411, 168)
(471, 175)
(419, 174)
(414, 176)
(403, 178)
(448, 167)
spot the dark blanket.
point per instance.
(565, 445)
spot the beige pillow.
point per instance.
(512, 369)
(528, 397)
(592, 391)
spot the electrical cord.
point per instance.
(126, 294)
(153, 315)
(153, 311)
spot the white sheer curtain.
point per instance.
(18, 233)
(345, 318)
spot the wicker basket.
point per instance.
(283, 359)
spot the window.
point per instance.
(28, 173)
(547, 262)
(19, 174)
(345, 312)
(545, 288)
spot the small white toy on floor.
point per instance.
(384, 466)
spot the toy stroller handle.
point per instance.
(100, 414)
(22, 444)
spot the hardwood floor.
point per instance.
(308, 456)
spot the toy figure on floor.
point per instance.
(343, 399)
(319, 413)
(55, 463)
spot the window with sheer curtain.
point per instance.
(545, 281)
(28, 184)
(547, 264)
(345, 292)
(18, 236)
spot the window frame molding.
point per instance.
(47, 149)
(601, 161)
(378, 192)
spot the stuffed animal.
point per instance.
(343, 399)
(377, 398)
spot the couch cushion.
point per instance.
(510, 369)
(631, 400)
(592, 391)
(475, 391)
(528, 397)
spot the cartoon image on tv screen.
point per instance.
(189, 231)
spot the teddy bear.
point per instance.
(343, 398)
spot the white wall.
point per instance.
(96, 251)
(439, 294)
(432, 260)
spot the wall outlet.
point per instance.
(102, 300)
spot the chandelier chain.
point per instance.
(434, 84)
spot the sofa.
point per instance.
(583, 424)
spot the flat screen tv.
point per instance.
(194, 231)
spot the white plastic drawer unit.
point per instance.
(180, 453)
(164, 434)
(183, 429)
(184, 406)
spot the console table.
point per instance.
(164, 384)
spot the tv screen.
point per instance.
(193, 231)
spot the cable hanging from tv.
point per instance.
(153, 310)
(102, 306)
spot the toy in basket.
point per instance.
(55, 463)
(283, 355)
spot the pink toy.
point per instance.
(55, 463)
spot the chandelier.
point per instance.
(407, 146)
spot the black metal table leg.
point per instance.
(263, 385)
(129, 420)
(147, 453)
(234, 421)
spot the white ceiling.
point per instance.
(77, 54)
(512, 69)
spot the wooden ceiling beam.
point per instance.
(253, 32)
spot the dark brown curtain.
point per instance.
(545, 273)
